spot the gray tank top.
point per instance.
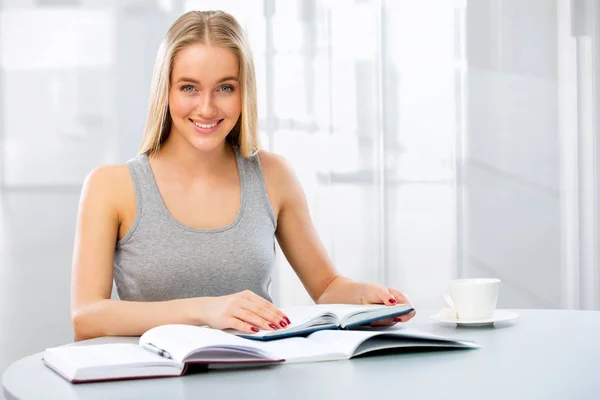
(161, 259)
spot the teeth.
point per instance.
(205, 126)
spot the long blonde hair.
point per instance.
(208, 27)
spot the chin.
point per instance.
(207, 145)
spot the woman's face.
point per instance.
(204, 97)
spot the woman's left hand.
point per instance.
(372, 293)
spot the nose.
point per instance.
(207, 108)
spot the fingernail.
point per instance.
(255, 329)
(393, 301)
(283, 324)
(287, 320)
(273, 326)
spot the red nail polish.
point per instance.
(393, 301)
(287, 320)
(255, 329)
(283, 324)
(273, 326)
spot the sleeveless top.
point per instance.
(162, 259)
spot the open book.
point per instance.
(307, 319)
(169, 350)
(164, 351)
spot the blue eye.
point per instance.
(226, 88)
(187, 88)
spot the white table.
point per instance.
(545, 354)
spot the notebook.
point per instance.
(307, 319)
(169, 351)
(164, 351)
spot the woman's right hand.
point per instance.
(244, 311)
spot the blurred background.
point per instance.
(435, 139)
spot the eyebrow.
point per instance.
(191, 80)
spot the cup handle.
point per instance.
(448, 299)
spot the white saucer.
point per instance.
(499, 316)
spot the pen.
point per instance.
(156, 350)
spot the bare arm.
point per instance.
(94, 314)
(304, 250)
(298, 238)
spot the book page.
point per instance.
(349, 341)
(365, 314)
(183, 340)
(387, 342)
(342, 341)
(344, 310)
(340, 314)
(302, 318)
(411, 333)
(304, 315)
(106, 356)
(299, 349)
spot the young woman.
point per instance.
(186, 229)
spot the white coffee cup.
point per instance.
(473, 299)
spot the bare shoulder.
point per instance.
(109, 184)
(275, 166)
(107, 178)
(280, 178)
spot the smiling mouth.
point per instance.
(206, 128)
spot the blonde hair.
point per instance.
(207, 27)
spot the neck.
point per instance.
(187, 162)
